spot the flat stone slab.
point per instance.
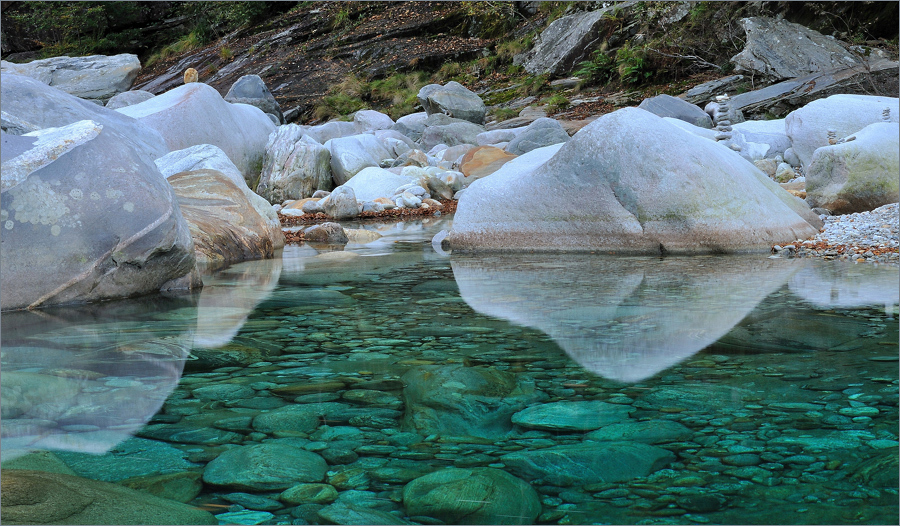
(571, 416)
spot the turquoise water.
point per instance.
(321, 388)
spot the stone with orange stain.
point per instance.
(298, 204)
(483, 161)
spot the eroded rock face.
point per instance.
(38, 497)
(808, 126)
(782, 49)
(224, 224)
(859, 175)
(29, 101)
(95, 77)
(566, 42)
(630, 182)
(97, 222)
(372, 183)
(195, 114)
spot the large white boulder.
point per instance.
(41, 106)
(349, 155)
(195, 114)
(857, 175)
(295, 166)
(92, 222)
(808, 126)
(373, 182)
(630, 183)
(97, 77)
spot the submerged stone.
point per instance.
(264, 467)
(472, 496)
(571, 416)
(588, 463)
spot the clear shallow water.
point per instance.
(729, 390)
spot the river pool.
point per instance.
(629, 390)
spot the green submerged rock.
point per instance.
(472, 496)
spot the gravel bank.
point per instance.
(865, 236)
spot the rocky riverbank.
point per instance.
(862, 237)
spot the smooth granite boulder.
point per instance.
(97, 77)
(411, 125)
(340, 204)
(454, 100)
(372, 183)
(295, 166)
(224, 224)
(472, 496)
(669, 106)
(38, 497)
(540, 133)
(844, 114)
(567, 41)
(858, 175)
(41, 106)
(323, 133)
(128, 98)
(349, 155)
(441, 129)
(371, 120)
(780, 49)
(630, 182)
(250, 89)
(95, 222)
(588, 463)
(264, 467)
(195, 114)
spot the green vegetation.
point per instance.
(556, 102)
(631, 64)
(502, 114)
(600, 69)
(225, 53)
(189, 42)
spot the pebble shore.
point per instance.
(862, 237)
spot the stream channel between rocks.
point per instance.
(322, 386)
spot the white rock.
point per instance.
(349, 155)
(845, 114)
(372, 182)
(93, 77)
(195, 114)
